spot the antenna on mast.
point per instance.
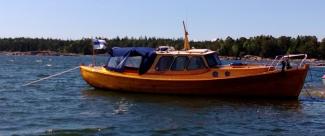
(186, 42)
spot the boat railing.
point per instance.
(285, 59)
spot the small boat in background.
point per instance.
(194, 72)
(320, 65)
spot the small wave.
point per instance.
(73, 131)
(42, 75)
(122, 106)
(82, 131)
(319, 94)
(39, 61)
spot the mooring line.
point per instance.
(306, 85)
(57, 74)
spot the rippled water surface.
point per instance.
(67, 105)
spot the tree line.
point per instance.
(265, 46)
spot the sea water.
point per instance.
(66, 105)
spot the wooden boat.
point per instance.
(194, 72)
(246, 80)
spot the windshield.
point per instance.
(129, 62)
(133, 62)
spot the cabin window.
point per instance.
(180, 63)
(133, 62)
(195, 63)
(164, 63)
(114, 62)
(130, 62)
(212, 60)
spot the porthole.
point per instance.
(215, 74)
(227, 73)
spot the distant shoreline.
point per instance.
(247, 58)
(37, 53)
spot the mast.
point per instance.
(186, 42)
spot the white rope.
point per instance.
(57, 74)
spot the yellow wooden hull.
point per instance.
(256, 82)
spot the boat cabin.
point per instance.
(149, 60)
(185, 62)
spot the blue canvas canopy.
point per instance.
(148, 56)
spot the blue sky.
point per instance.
(206, 19)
